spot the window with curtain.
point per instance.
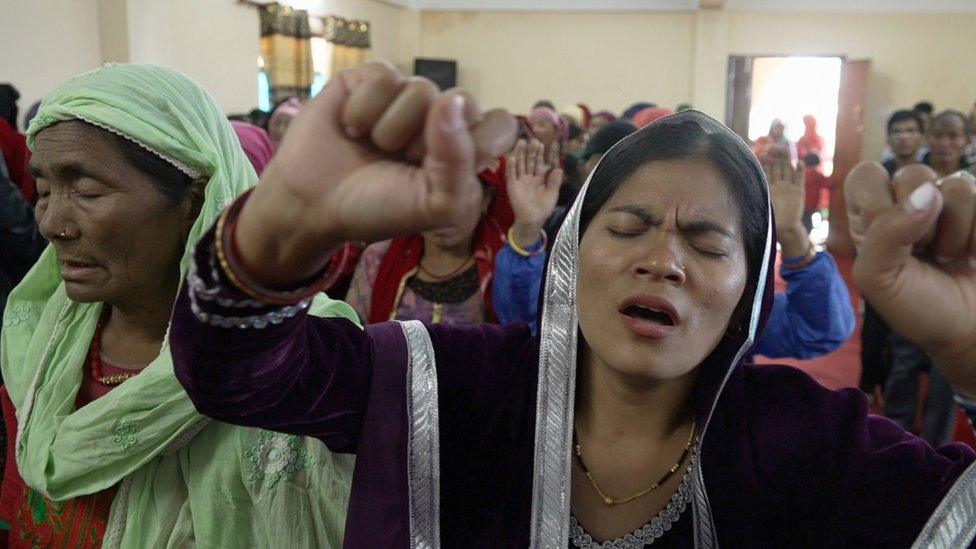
(347, 42)
(286, 52)
(300, 54)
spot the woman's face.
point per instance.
(662, 268)
(115, 233)
(457, 236)
(544, 130)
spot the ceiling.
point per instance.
(690, 5)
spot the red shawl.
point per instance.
(16, 156)
(404, 253)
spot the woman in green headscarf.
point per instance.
(133, 162)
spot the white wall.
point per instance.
(608, 60)
(215, 42)
(394, 32)
(612, 59)
(44, 42)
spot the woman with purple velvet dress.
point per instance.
(630, 419)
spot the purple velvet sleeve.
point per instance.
(304, 375)
(808, 463)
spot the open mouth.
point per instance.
(649, 314)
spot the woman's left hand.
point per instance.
(533, 188)
(928, 296)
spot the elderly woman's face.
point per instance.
(115, 233)
(662, 268)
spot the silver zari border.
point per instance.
(556, 389)
(423, 440)
(953, 524)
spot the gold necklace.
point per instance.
(609, 501)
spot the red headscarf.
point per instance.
(16, 156)
(605, 114)
(810, 140)
(404, 253)
(587, 114)
(649, 115)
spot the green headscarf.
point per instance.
(181, 477)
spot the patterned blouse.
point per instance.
(454, 301)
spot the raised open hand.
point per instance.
(373, 156)
(926, 292)
(786, 189)
(533, 187)
(786, 194)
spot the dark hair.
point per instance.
(635, 108)
(171, 182)
(688, 140)
(905, 115)
(924, 107)
(544, 103)
(574, 131)
(31, 113)
(8, 104)
(608, 136)
(947, 115)
(259, 118)
(811, 160)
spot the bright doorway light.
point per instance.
(788, 88)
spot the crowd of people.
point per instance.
(388, 316)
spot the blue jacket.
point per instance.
(812, 318)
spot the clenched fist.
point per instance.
(375, 155)
(916, 260)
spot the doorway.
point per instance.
(789, 88)
(763, 88)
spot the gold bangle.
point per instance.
(522, 251)
(803, 261)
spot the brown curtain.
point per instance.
(348, 41)
(286, 48)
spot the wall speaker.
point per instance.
(442, 72)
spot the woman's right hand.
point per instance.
(375, 155)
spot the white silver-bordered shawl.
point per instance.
(423, 439)
(557, 373)
(954, 522)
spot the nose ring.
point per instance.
(63, 234)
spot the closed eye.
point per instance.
(711, 253)
(625, 234)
